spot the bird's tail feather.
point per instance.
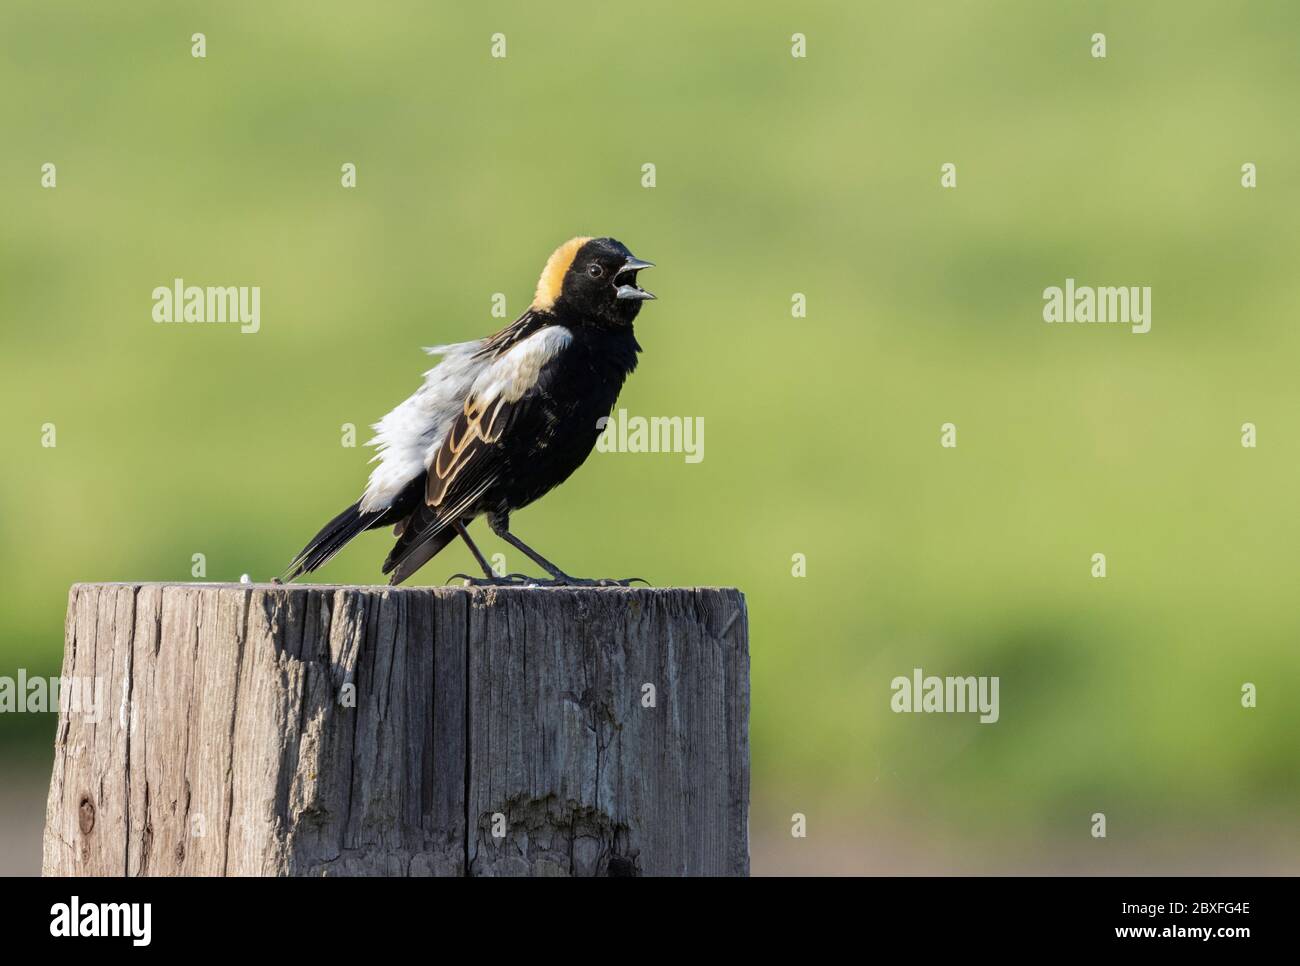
(331, 539)
(424, 535)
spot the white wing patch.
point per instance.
(408, 436)
(515, 371)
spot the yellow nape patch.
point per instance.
(552, 280)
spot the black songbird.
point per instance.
(499, 422)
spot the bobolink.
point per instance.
(500, 421)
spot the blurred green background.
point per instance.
(775, 175)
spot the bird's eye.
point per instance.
(595, 271)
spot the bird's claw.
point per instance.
(564, 580)
(509, 580)
(613, 582)
(524, 580)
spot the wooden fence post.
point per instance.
(258, 729)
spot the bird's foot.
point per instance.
(508, 580)
(567, 581)
(563, 580)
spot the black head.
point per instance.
(593, 279)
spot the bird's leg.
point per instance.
(478, 555)
(490, 577)
(500, 526)
(533, 555)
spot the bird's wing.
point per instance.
(468, 460)
(407, 437)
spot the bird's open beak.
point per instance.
(629, 289)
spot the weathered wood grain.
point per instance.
(258, 729)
